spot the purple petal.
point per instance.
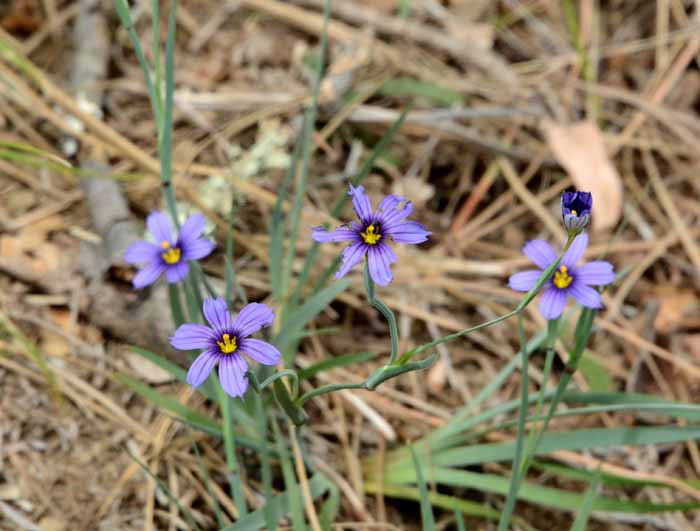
(552, 303)
(201, 367)
(524, 281)
(148, 275)
(192, 228)
(408, 232)
(341, 234)
(390, 214)
(193, 336)
(252, 318)
(217, 315)
(232, 370)
(196, 249)
(575, 252)
(352, 255)
(361, 204)
(140, 252)
(160, 228)
(260, 351)
(540, 252)
(585, 295)
(379, 258)
(177, 272)
(597, 273)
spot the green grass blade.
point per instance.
(122, 8)
(459, 520)
(270, 512)
(584, 513)
(307, 148)
(168, 403)
(436, 500)
(574, 440)
(165, 147)
(547, 496)
(176, 304)
(296, 505)
(234, 472)
(305, 313)
(278, 226)
(509, 507)
(279, 504)
(426, 510)
(402, 87)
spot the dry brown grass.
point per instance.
(484, 183)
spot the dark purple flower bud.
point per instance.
(576, 210)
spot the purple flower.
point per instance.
(226, 340)
(567, 279)
(371, 235)
(576, 210)
(168, 255)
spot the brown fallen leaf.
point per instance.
(692, 343)
(676, 303)
(579, 148)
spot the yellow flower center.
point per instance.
(171, 254)
(371, 235)
(228, 345)
(562, 279)
(574, 213)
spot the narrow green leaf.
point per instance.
(581, 521)
(165, 147)
(296, 505)
(270, 512)
(306, 312)
(279, 504)
(426, 510)
(234, 472)
(407, 86)
(168, 403)
(546, 496)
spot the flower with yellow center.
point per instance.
(371, 235)
(228, 345)
(171, 254)
(562, 279)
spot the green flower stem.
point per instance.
(295, 413)
(330, 388)
(583, 330)
(260, 386)
(230, 447)
(386, 312)
(527, 299)
(517, 474)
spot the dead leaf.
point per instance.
(676, 303)
(692, 342)
(579, 148)
(147, 370)
(52, 523)
(437, 377)
(414, 189)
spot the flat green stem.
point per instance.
(386, 312)
(516, 474)
(330, 388)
